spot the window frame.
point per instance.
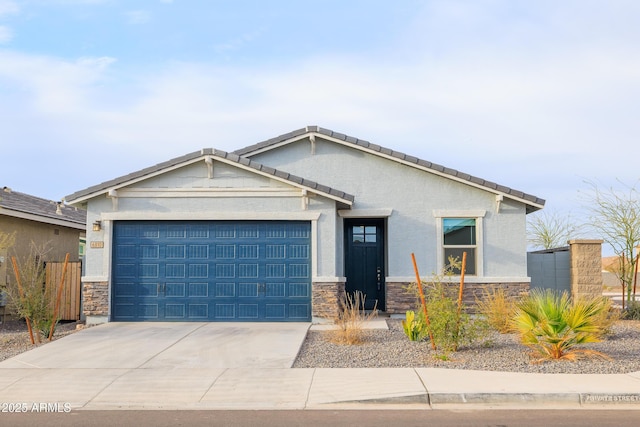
(478, 216)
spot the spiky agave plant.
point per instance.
(553, 326)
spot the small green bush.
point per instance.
(451, 328)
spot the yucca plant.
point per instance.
(553, 326)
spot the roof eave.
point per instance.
(221, 156)
(43, 219)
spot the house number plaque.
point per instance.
(99, 244)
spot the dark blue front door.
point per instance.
(211, 271)
(364, 260)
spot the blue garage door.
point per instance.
(211, 271)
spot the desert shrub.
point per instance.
(351, 319)
(553, 327)
(33, 300)
(497, 309)
(632, 311)
(451, 328)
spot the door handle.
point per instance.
(162, 289)
(379, 276)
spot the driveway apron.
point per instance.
(119, 364)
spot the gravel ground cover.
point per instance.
(14, 337)
(391, 349)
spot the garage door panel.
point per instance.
(275, 311)
(225, 311)
(227, 290)
(300, 290)
(248, 311)
(175, 290)
(216, 271)
(299, 311)
(199, 311)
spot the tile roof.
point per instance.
(231, 157)
(533, 202)
(13, 202)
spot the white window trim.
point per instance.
(478, 215)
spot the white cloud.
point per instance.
(65, 89)
(8, 7)
(137, 17)
(72, 2)
(5, 34)
(540, 120)
(238, 42)
(98, 63)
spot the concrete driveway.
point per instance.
(170, 345)
(160, 365)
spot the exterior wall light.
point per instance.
(97, 226)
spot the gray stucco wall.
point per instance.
(413, 195)
(182, 195)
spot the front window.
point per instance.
(459, 235)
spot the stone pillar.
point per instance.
(585, 268)
(326, 299)
(95, 302)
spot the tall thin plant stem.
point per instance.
(460, 292)
(635, 277)
(55, 311)
(423, 302)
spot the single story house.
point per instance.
(278, 230)
(40, 222)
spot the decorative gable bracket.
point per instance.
(209, 161)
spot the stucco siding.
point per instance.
(196, 176)
(413, 195)
(134, 203)
(59, 240)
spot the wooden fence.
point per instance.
(70, 301)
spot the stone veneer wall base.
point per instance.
(400, 298)
(326, 299)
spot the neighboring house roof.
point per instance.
(533, 203)
(20, 205)
(223, 156)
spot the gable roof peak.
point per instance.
(196, 156)
(532, 202)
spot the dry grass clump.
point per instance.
(498, 310)
(351, 319)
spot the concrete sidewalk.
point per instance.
(196, 366)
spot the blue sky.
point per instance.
(535, 95)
